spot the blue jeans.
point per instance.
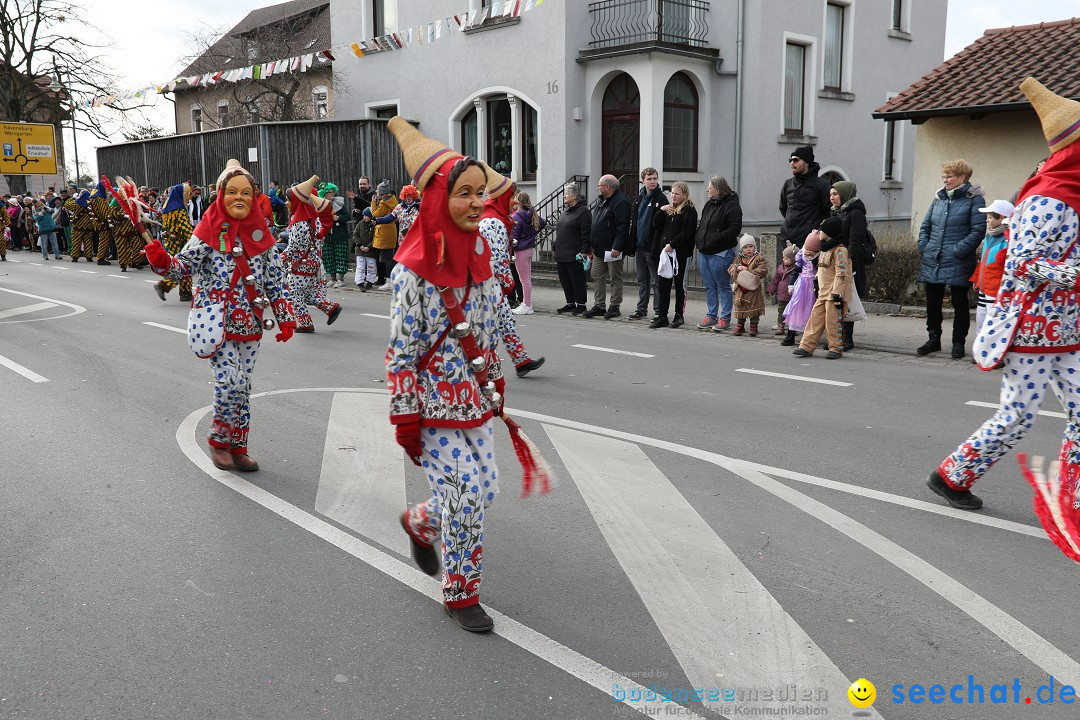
(714, 271)
(48, 239)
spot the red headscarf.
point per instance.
(438, 250)
(254, 232)
(499, 208)
(301, 208)
(1059, 178)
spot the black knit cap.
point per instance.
(832, 227)
(806, 152)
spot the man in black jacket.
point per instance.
(610, 234)
(648, 201)
(804, 199)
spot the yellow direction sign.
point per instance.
(27, 149)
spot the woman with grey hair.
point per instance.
(572, 249)
(716, 237)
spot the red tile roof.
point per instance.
(985, 76)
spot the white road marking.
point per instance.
(27, 309)
(75, 309)
(88, 272)
(995, 406)
(381, 317)
(793, 377)
(1012, 631)
(25, 372)
(166, 327)
(362, 482)
(59, 267)
(611, 350)
(33, 263)
(14, 260)
(713, 612)
(558, 655)
(152, 282)
(119, 277)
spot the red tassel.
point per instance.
(532, 462)
(1044, 496)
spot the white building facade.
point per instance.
(694, 88)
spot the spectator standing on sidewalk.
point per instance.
(648, 201)
(675, 225)
(572, 249)
(804, 198)
(847, 206)
(716, 237)
(527, 223)
(610, 233)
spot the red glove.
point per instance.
(157, 255)
(500, 387)
(408, 437)
(287, 329)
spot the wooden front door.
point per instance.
(621, 128)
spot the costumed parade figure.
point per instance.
(237, 274)
(443, 371)
(495, 228)
(5, 228)
(304, 256)
(125, 237)
(1034, 325)
(176, 231)
(336, 245)
(99, 210)
(83, 226)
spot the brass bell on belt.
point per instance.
(268, 324)
(478, 364)
(249, 280)
(237, 250)
(460, 330)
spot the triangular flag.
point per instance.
(528, 6)
(357, 51)
(306, 62)
(496, 8)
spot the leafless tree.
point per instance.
(43, 45)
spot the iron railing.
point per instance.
(551, 209)
(625, 22)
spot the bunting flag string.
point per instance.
(403, 39)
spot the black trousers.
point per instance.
(517, 294)
(935, 295)
(663, 292)
(575, 285)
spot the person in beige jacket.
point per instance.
(834, 290)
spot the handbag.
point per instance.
(669, 265)
(855, 309)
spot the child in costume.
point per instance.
(834, 288)
(747, 271)
(176, 231)
(798, 309)
(495, 228)
(780, 286)
(237, 274)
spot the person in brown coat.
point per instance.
(747, 271)
(834, 290)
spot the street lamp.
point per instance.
(56, 87)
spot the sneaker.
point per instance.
(612, 312)
(568, 307)
(578, 310)
(658, 322)
(707, 323)
(339, 284)
(636, 315)
(523, 309)
(722, 324)
(962, 499)
(678, 321)
(594, 311)
(799, 352)
(529, 367)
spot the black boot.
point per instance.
(931, 345)
(789, 339)
(849, 340)
(957, 350)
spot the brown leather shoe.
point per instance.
(471, 618)
(244, 463)
(222, 459)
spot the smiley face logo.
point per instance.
(862, 693)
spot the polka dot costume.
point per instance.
(460, 468)
(232, 365)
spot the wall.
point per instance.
(1002, 149)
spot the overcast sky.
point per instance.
(147, 45)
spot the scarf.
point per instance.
(176, 199)
(994, 232)
(1059, 178)
(301, 208)
(219, 230)
(438, 250)
(499, 208)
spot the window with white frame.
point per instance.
(898, 15)
(223, 113)
(500, 136)
(469, 129)
(385, 112)
(794, 88)
(530, 142)
(892, 162)
(196, 118)
(503, 130)
(320, 102)
(384, 16)
(680, 124)
(835, 24)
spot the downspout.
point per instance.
(737, 170)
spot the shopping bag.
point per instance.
(855, 309)
(669, 265)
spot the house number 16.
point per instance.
(553, 87)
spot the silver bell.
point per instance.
(268, 324)
(496, 399)
(460, 330)
(478, 364)
(249, 280)
(237, 250)
(261, 302)
(489, 389)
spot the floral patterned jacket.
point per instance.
(494, 232)
(304, 251)
(216, 281)
(434, 385)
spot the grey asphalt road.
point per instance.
(135, 585)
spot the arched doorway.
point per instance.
(621, 128)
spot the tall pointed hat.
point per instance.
(1060, 117)
(423, 156)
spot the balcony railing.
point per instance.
(617, 23)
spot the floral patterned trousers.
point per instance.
(233, 365)
(308, 290)
(1023, 389)
(510, 337)
(460, 467)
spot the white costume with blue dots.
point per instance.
(1035, 327)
